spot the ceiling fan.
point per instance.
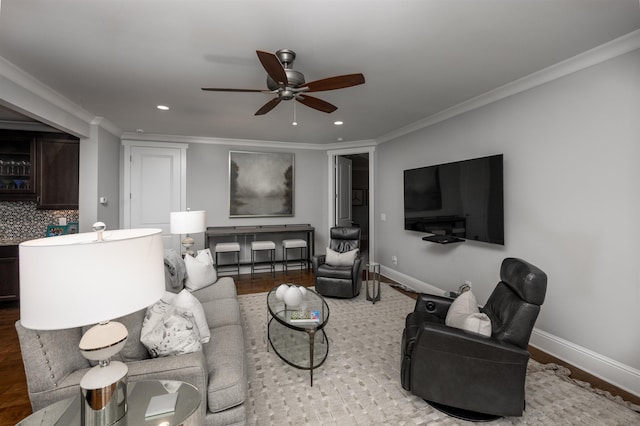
(288, 83)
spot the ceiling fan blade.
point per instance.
(215, 89)
(316, 103)
(268, 106)
(338, 82)
(274, 68)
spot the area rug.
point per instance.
(359, 383)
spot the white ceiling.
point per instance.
(118, 59)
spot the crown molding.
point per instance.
(26, 95)
(620, 46)
(134, 136)
(107, 125)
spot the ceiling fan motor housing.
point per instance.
(296, 79)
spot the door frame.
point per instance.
(331, 202)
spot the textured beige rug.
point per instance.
(359, 383)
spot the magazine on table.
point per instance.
(304, 316)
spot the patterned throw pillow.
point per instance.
(167, 330)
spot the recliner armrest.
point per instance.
(318, 260)
(443, 338)
(433, 304)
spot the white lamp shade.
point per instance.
(75, 280)
(189, 222)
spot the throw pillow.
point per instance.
(189, 303)
(166, 330)
(200, 270)
(463, 306)
(335, 258)
(478, 323)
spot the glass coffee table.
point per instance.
(301, 344)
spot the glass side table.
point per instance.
(67, 411)
(373, 281)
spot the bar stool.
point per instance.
(269, 246)
(228, 248)
(294, 244)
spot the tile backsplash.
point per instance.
(21, 220)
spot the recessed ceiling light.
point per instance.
(340, 139)
(163, 107)
(338, 123)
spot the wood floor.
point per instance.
(14, 400)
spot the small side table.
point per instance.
(373, 280)
(67, 411)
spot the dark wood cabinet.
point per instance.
(58, 173)
(17, 155)
(9, 273)
(40, 166)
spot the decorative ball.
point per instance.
(303, 290)
(281, 290)
(293, 296)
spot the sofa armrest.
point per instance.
(433, 304)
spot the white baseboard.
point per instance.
(611, 371)
(412, 283)
(623, 376)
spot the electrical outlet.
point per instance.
(467, 282)
(394, 260)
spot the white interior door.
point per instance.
(343, 192)
(156, 188)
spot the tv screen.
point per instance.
(463, 199)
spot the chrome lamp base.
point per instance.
(104, 406)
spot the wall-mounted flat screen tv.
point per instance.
(463, 199)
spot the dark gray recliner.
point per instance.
(339, 281)
(466, 374)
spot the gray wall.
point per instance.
(208, 188)
(99, 173)
(571, 172)
(109, 148)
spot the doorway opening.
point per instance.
(351, 201)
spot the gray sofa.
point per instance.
(54, 366)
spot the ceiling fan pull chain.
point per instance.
(295, 123)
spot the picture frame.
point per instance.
(261, 184)
(72, 228)
(357, 197)
(56, 230)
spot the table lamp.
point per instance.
(89, 278)
(188, 223)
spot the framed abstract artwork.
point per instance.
(260, 184)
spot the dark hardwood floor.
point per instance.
(14, 400)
